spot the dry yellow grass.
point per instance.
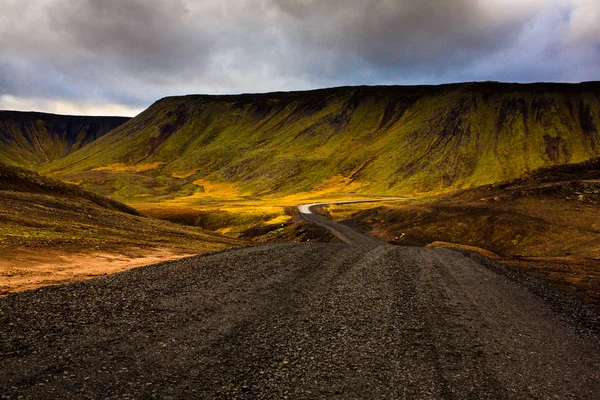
(183, 175)
(129, 168)
(26, 269)
(337, 184)
(245, 211)
(221, 190)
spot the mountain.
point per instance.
(31, 139)
(374, 140)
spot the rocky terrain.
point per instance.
(544, 223)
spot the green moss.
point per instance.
(390, 140)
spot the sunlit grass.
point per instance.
(224, 208)
(119, 167)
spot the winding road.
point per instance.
(303, 321)
(343, 232)
(305, 208)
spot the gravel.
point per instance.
(306, 321)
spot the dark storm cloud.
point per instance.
(132, 52)
(400, 33)
(432, 41)
(96, 48)
(137, 35)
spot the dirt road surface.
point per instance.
(345, 233)
(305, 208)
(298, 320)
(302, 321)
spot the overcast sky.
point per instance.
(116, 57)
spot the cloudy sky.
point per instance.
(116, 57)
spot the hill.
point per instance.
(550, 212)
(15, 179)
(52, 232)
(370, 140)
(31, 139)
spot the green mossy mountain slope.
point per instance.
(31, 139)
(390, 140)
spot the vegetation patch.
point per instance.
(129, 168)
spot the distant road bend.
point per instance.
(302, 321)
(343, 232)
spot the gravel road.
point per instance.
(345, 233)
(307, 321)
(305, 208)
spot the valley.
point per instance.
(236, 168)
(31, 139)
(300, 199)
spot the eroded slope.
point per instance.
(383, 140)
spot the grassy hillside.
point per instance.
(15, 179)
(31, 139)
(371, 140)
(52, 232)
(550, 212)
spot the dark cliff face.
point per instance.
(33, 139)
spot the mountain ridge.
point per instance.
(383, 139)
(30, 139)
